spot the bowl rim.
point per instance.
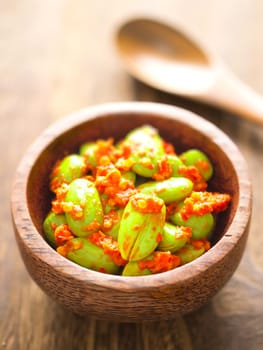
(42, 250)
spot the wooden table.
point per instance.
(58, 56)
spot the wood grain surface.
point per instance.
(58, 56)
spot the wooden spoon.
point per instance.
(166, 59)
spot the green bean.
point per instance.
(147, 148)
(132, 268)
(200, 160)
(88, 151)
(83, 252)
(171, 190)
(129, 175)
(175, 163)
(140, 232)
(201, 225)
(51, 222)
(174, 237)
(83, 207)
(71, 167)
(154, 263)
(99, 230)
(189, 253)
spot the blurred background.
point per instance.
(57, 56)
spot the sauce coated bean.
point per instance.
(132, 208)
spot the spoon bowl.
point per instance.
(165, 58)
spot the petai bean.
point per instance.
(146, 149)
(132, 268)
(51, 222)
(129, 175)
(175, 163)
(154, 263)
(85, 253)
(132, 208)
(71, 167)
(174, 237)
(171, 190)
(88, 151)
(141, 227)
(200, 160)
(83, 207)
(190, 252)
(201, 225)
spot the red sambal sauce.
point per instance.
(116, 191)
(145, 204)
(109, 245)
(160, 262)
(203, 202)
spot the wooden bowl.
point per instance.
(130, 299)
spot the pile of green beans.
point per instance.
(124, 208)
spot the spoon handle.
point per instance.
(232, 94)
